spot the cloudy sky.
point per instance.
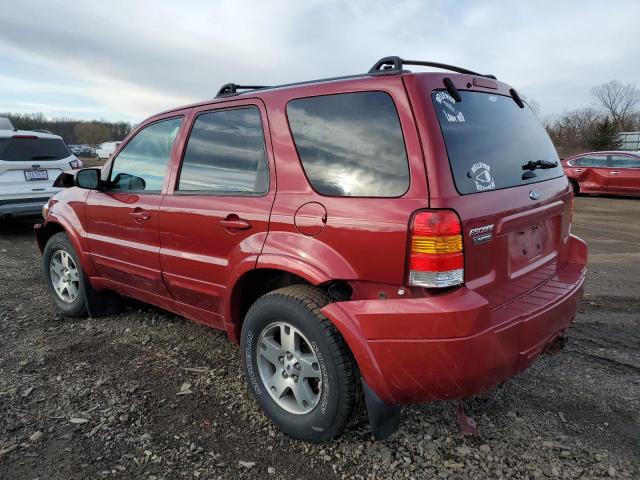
(125, 60)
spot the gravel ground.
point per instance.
(146, 394)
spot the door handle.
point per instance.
(139, 215)
(614, 173)
(233, 222)
(578, 169)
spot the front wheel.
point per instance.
(297, 365)
(63, 276)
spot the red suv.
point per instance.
(399, 236)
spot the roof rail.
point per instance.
(393, 65)
(232, 89)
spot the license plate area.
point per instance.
(36, 174)
(528, 245)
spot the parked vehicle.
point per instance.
(402, 236)
(106, 149)
(29, 164)
(613, 173)
(5, 124)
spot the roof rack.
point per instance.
(384, 66)
(393, 65)
(232, 89)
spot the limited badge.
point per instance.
(481, 173)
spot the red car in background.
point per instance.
(615, 172)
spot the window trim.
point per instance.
(168, 167)
(404, 142)
(222, 193)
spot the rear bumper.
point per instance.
(453, 345)
(22, 208)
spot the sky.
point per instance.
(126, 60)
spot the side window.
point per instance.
(591, 161)
(623, 161)
(142, 163)
(350, 144)
(226, 154)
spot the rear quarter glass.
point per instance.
(350, 144)
(488, 140)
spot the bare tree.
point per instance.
(573, 131)
(618, 100)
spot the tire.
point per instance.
(576, 188)
(334, 390)
(72, 301)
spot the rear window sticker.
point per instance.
(493, 98)
(449, 110)
(481, 173)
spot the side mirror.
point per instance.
(88, 178)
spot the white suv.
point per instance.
(29, 164)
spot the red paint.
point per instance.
(189, 252)
(608, 177)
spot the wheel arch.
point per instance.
(251, 285)
(270, 272)
(55, 225)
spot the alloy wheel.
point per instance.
(289, 368)
(65, 277)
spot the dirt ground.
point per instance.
(97, 398)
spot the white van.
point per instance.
(104, 151)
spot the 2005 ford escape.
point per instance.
(399, 236)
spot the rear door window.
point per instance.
(32, 149)
(489, 139)
(226, 154)
(624, 161)
(350, 144)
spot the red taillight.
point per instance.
(435, 253)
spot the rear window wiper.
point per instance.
(45, 157)
(531, 165)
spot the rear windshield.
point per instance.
(32, 149)
(489, 139)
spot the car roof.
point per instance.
(606, 152)
(30, 133)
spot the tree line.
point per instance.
(616, 109)
(72, 131)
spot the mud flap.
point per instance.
(101, 303)
(384, 419)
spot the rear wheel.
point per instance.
(576, 187)
(297, 365)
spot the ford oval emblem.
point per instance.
(534, 194)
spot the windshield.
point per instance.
(32, 149)
(489, 139)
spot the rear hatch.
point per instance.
(509, 191)
(29, 164)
